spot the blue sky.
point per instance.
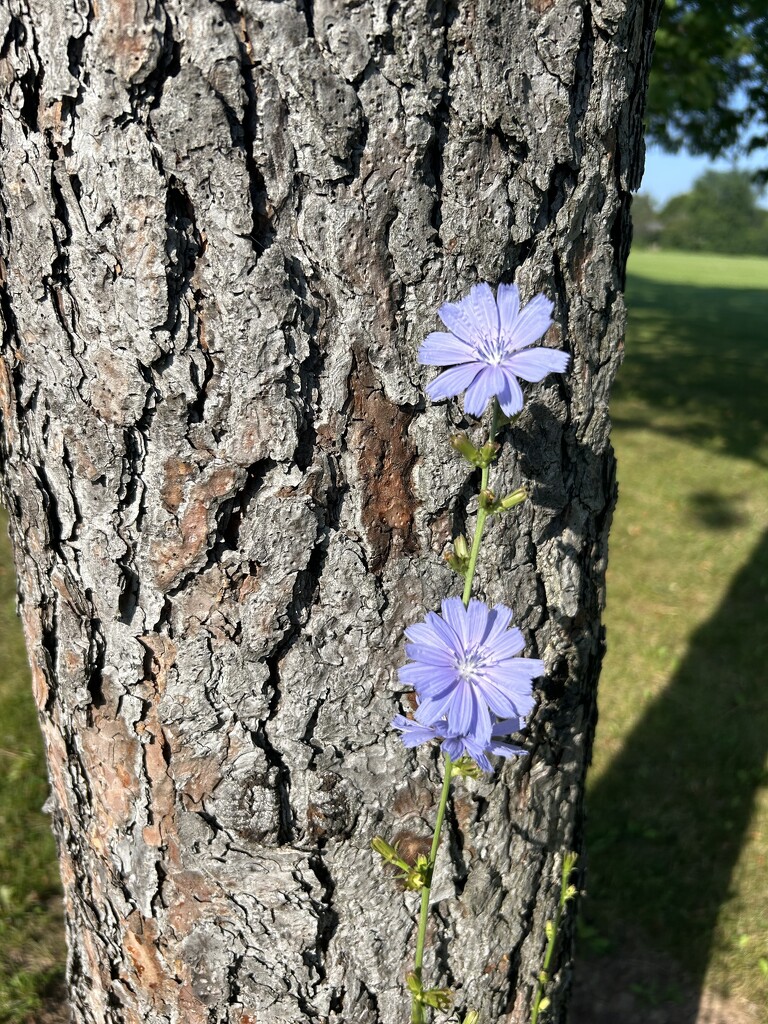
(669, 174)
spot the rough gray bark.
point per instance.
(226, 229)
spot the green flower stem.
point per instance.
(567, 893)
(482, 514)
(418, 1011)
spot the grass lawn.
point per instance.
(678, 801)
(31, 928)
(678, 793)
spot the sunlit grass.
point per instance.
(678, 801)
(31, 929)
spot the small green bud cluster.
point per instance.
(458, 559)
(437, 998)
(466, 768)
(480, 457)
(412, 876)
(491, 504)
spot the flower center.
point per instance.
(469, 665)
(492, 349)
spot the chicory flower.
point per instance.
(465, 668)
(489, 348)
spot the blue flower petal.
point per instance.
(534, 320)
(506, 750)
(413, 734)
(508, 301)
(431, 710)
(458, 318)
(439, 657)
(499, 618)
(446, 634)
(453, 747)
(534, 364)
(455, 614)
(477, 622)
(510, 396)
(485, 313)
(452, 382)
(423, 677)
(441, 349)
(506, 727)
(507, 646)
(422, 633)
(485, 386)
(462, 714)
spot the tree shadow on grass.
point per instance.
(698, 359)
(668, 818)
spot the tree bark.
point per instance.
(226, 228)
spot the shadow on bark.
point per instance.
(669, 817)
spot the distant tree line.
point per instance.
(721, 213)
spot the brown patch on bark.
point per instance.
(110, 390)
(465, 811)
(6, 405)
(176, 473)
(127, 36)
(501, 965)
(112, 754)
(33, 636)
(195, 777)
(410, 846)
(210, 600)
(156, 750)
(541, 6)
(94, 957)
(582, 258)
(414, 799)
(171, 557)
(385, 462)
(140, 945)
(184, 893)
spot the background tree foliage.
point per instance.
(719, 214)
(709, 84)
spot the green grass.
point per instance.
(31, 929)
(678, 804)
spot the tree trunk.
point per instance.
(226, 229)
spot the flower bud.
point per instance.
(459, 565)
(413, 983)
(417, 877)
(472, 1017)
(466, 768)
(515, 498)
(488, 452)
(438, 998)
(385, 851)
(460, 546)
(466, 449)
(487, 500)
